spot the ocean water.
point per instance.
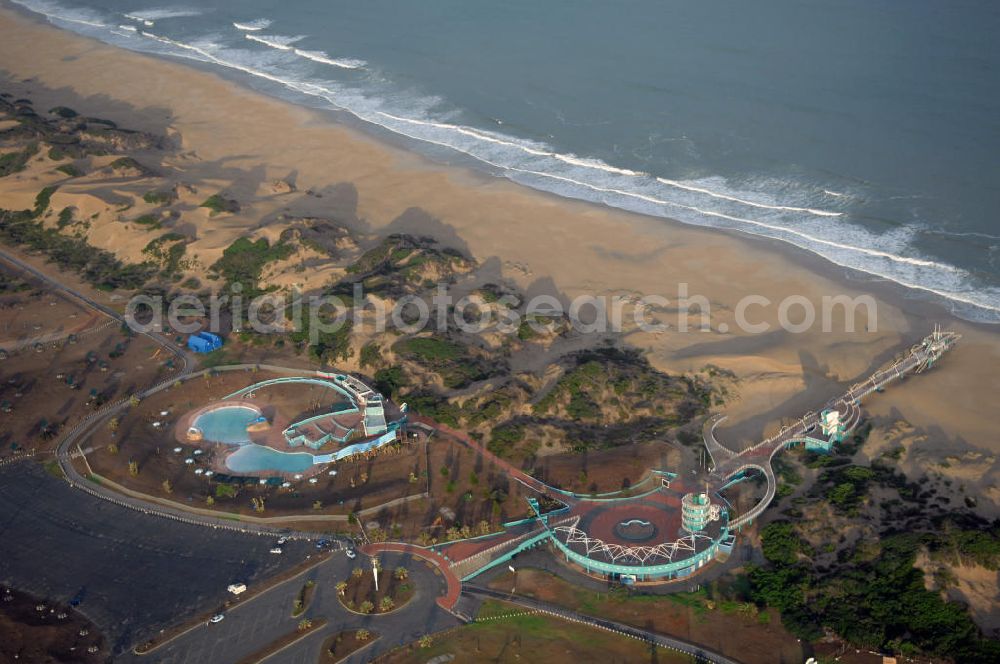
(864, 131)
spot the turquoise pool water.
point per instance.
(227, 424)
(252, 458)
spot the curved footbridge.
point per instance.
(667, 527)
(816, 431)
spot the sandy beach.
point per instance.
(230, 138)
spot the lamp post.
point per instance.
(375, 571)
(514, 572)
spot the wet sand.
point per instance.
(229, 137)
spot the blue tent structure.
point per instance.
(204, 342)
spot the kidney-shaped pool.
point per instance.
(252, 458)
(228, 424)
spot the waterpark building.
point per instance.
(640, 535)
(356, 424)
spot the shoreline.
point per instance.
(225, 132)
(439, 156)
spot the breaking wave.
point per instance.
(252, 26)
(816, 219)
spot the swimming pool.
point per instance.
(226, 424)
(253, 458)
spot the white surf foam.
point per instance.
(320, 56)
(708, 202)
(598, 165)
(743, 201)
(252, 26)
(138, 19)
(56, 12)
(852, 247)
(164, 13)
(279, 42)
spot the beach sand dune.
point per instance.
(229, 138)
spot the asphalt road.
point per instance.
(252, 626)
(135, 574)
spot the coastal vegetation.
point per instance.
(875, 596)
(457, 364)
(243, 261)
(402, 265)
(219, 204)
(160, 198)
(167, 251)
(14, 162)
(96, 266)
(854, 552)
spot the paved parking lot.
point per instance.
(138, 573)
(135, 573)
(266, 618)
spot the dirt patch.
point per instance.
(606, 470)
(83, 365)
(359, 594)
(342, 644)
(38, 631)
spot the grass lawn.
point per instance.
(735, 629)
(532, 638)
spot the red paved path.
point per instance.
(450, 598)
(512, 470)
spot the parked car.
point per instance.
(351, 554)
(277, 549)
(282, 540)
(322, 544)
(217, 618)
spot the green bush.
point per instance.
(243, 261)
(63, 112)
(158, 197)
(504, 437)
(14, 162)
(454, 362)
(43, 199)
(98, 267)
(389, 380)
(218, 204)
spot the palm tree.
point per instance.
(341, 588)
(425, 641)
(386, 604)
(362, 635)
(402, 573)
(366, 607)
(305, 624)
